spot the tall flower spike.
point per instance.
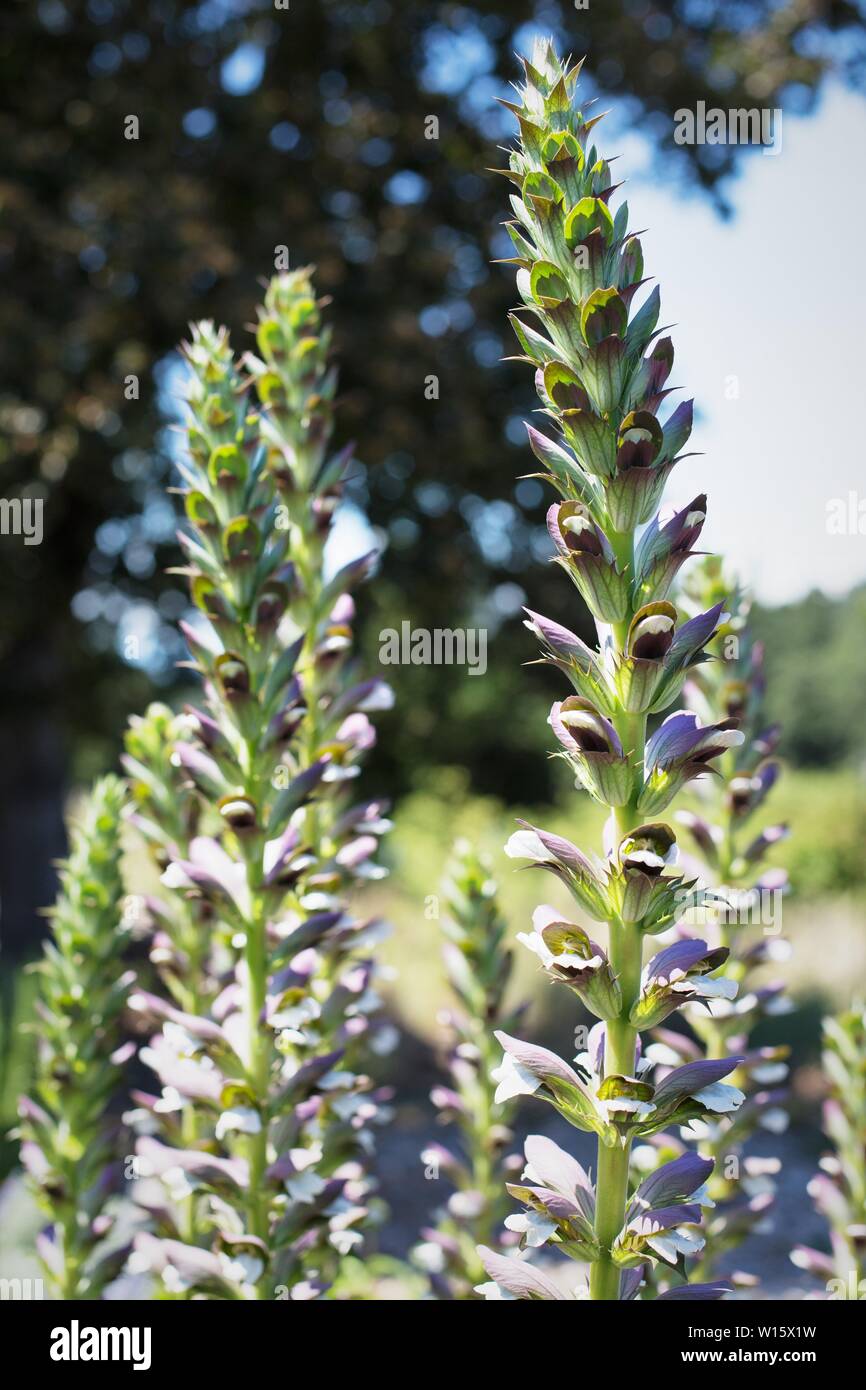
(731, 856)
(839, 1190)
(601, 371)
(272, 1191)
(295, 384)
(479, 969)
(67, 1146)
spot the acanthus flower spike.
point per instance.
(601, 367)
(261, 1058)
(479, 969)
(68, 1141)
(838, 1191)
(739, 893)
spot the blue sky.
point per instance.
(775, 297)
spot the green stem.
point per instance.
(258, 1072)
(626, 957)
(612, 1192)
(68, 1289)
(255, 998)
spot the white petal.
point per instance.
(242, 1119)
(534, 943)
(492, 1293)
(525, 844)
(535, 1228)
(513, 1079)
(720, 1097)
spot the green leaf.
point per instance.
(241, 540)
(547, 284)
(592, 440)
(603, 315)
(643, 325)
(564, 388)
(589, 215)
(538, 348)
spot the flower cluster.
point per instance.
(839, 1190)
(67, 1141)
(560, 1208)
(730, 858)
(601, 369)
(478, 969)
(253, 1152)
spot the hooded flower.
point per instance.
(614, 1106)
(593, 749)
(528, 1070)
(213, 872)
(585, 553)
(677, 975)
(679, 750)
(639, 889)
(582, 874)
(658, 654)
(664, 547)
(512, 1278)
(567, 954)
(569, 654)
(559, 1201)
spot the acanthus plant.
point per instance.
(68, 1135)
(165, 811)
(839, 1190)
(254, 1151)
(601, 368)
(479, 970)
(186, 949)
(745, 921)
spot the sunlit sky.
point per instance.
(776, 297)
